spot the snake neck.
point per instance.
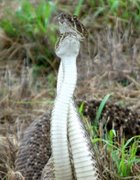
(59, 78)
(60, 150)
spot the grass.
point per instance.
(31, 34)
(120, 157)
(32, 25)
(100, 109)
(109, 10)
(123, 157)
(31, 30)
(28, 19)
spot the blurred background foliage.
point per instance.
(32, 30)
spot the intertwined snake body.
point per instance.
(65, 120)
(83, 161)
(72, 159)
(59, 140)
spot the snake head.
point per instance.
(68, 45)
(69, 23)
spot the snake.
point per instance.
(65, 117)
(65, 121)
(67, 141)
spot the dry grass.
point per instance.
(21, 102)
(113, 67)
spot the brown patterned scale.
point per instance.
(70, 25)
(35, 149)
(73, 23)
(114, 117)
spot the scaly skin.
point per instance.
(67, 50)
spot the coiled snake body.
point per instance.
(34, 150)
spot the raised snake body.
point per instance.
(67, 155)
(63, 119)
(83, 159)
(59, 139)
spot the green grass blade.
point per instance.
(81, 108)
(101, 107)
(78, 8)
